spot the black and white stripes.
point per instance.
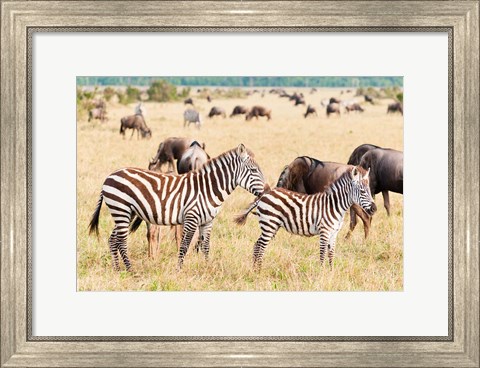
(193, 199)
(308, 215)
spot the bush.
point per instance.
(162, 91)
(108, 93)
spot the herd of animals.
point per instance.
(311, 197)
(333, 105)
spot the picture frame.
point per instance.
(20, 20)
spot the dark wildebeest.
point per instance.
(98, 113)
(188, 101)
(333, 108)
(334, 100)
(299, 101)
(136, 123)
(309, 175)
(239, 110)
(310, 110)
(395, 107)
(217, 111)
(386, 171)
(257, 111)
(191, 116)
(368, 98)
(209, 99)
(193, 158)
(354, 107)
(169, 150)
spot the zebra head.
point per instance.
(249, 176)
(361, 190)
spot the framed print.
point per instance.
(414, 303)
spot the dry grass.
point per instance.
(291, 262)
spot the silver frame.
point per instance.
(460, 19)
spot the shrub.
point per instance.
(108, 93)
(162, 91)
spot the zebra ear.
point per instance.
(354, 172)
(241, 150)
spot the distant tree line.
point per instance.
(355, 82)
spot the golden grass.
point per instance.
(291, 262)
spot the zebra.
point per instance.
(308, 215)
(193, 199)
(192, 116)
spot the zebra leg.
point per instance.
(259, 248)
(121, 235)
(112, 242)
(324, 240)
(204, 238)
(386, 201)
(189, 227)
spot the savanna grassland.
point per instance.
(291, 262)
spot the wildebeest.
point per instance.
(239, 110)
(354, 107)
(191, 116)
(334, 100)
(193, 158)
(299, 101)
(209, 99)
(313, 90)
(217, 111)
(188, 101)
(309, 175)
(98, 113)
(333, 108)
(136, 123)
(169, 150)
(310, 110)
(395, 107)
(368, 98)
(257, 111)
(386, 171)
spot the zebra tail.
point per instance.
(242, 219)
(93, 226)
(137, 221)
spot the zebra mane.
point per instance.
(345, 176)
(230, 154)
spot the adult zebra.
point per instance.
(316, 214)
(192, 199)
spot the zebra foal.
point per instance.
(192, 199)
(308, 215)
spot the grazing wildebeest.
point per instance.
(193, 158)
(299, 101)
(188, 101)
(209, 99)
(334, 100)
(169, 150)
(395, 107)
(310, 110)
(239, 110)
(217, 111)
(257, 111)
(387, 172)
(354, 107)
(136, 123)
(98, 113)
(369, 98)
(309, 175)
(333, 108)
(191, 116)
